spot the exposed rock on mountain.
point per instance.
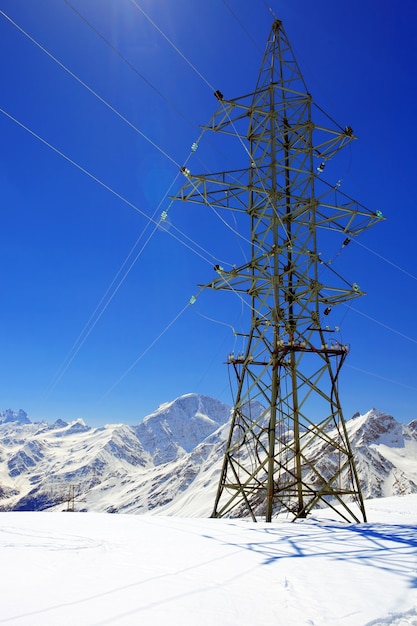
(178, 427)
(10, 416)
(170, 462)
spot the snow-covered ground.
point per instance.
(90, 569)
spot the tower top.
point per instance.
(277, 24)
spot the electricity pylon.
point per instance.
(287, 411)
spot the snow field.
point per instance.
(94, 569)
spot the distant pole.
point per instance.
(71, 499)
(287, 413)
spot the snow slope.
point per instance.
(171, 462)
(94, 569)
(113, 468)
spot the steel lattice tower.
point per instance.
(287, 410)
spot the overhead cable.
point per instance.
(171, 43)
(98, 312)
(127, 62)
(156, 223)
(383, 258)
(94, 93)
(151, 345)
(239, 21)
(111, 190)
(372, 319)
(388, 380)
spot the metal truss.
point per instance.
(287, 414)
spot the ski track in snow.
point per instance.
(91, 569)
(173, 564)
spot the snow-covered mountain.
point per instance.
(176, 428)
(113, 468)
(385, 453)
(170, 463)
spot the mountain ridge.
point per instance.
(169, 463)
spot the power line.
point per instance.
(372, 319)
(388, 380)
(127, 62)
(171, 43)
(218, 95)
(239, 21)
(383, 258)
(269, 9)
(116, 51)
(91, 91)
(112, 191)
(134, 69)
(149, 347)
(380, 256)
(74, 163)
(208, 83)
(97, 314)
(165, 154)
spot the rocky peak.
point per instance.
(177, 427)
(376, 427)
(19, 417)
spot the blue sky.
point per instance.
(90, 152)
